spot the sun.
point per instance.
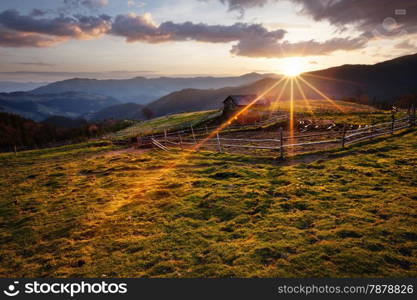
(292, 66)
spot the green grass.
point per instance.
(82, 211)
(361, 118)
(318, 109)
(322, 106)
(170, 123)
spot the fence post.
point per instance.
(192, 132)
(166, 137)
(219, 145)
(281, 143)
(392, 123)
(180, 137)
(344, 136)
(206, 129)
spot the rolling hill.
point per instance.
(386, 81)
(143, 90)
(39, 107)
(189, 100)
(129, 111)
(383, 81)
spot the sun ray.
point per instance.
(307, 103)
(322, 94)
(227, 122)
(292, 108)
(156, 178)
(291, 119)
(332, 79)
(276, 102)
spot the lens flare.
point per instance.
(322, 94)
(303, 95)
(292, 66)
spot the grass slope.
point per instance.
(313, 109)
(170, 123)
(83, 211)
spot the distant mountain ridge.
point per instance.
(91, 98)
(94, 100)
(384, 82)
(124, 111)
(189, 100)
(11, 86)
(40, 107)
(141, 90)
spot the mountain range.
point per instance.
(143, 90)
(129, 99)
(188, 100)
(97, 100)
(128, 111)
(382, 82)
(40, 107)
(11, 86)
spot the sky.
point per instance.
(49, 40)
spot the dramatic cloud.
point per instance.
(38, 12)
(366, 15)
(138, 28)
(273, 49)
(15, 39)
(31, 30)
(78, 27)
(219, 33)
(251, 40)
(142, 28)
(241, 5)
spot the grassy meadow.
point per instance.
(349, 113)
(170, 123)
(94, 210)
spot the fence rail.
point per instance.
(195, 129)
(337, 138)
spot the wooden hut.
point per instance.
(254, 109)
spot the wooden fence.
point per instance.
(195, 139)
(187, 128)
